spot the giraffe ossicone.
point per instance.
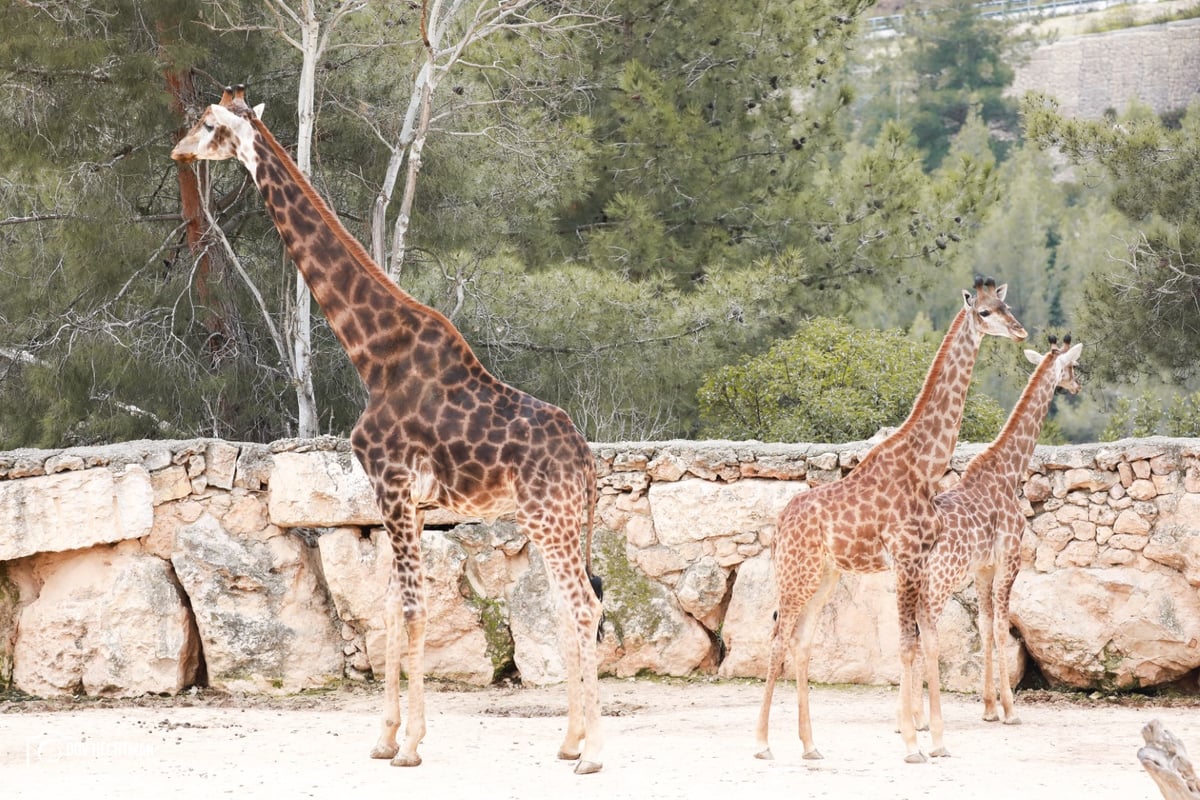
(438, 430)
(878, 516)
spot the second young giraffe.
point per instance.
(980, 531)
(878, 516)
(438, 431)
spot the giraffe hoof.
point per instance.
(587, 767)
(765, 754)
(812, 755)
(567, 755)
(991, 717)
(941, 752)
(406, 761)
(915, 758)
(385, 751)
(1013, 720)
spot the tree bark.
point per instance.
(1165, 758)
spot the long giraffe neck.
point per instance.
(931, 430)
(382, 328)
(1006, 457)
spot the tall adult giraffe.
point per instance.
(879, 515)
(438, 431)
(981, 524)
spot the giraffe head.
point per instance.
(1065, 358)
(989, 313)
(223, 131)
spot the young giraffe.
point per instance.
(980, 532)
(879, 515)
(438, 430)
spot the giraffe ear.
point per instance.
(968, 301)
(1034, 356)
(1001, 290)
(258, 109)
(1072, 355)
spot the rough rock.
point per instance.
(701, 589)
(264, 616)
(1175, 540)
(1119, 627)
(108, 621)
(651, 632)
(74, 510)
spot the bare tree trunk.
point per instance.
(1165, 758)
(308, 421)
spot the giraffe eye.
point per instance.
(208, 126)
(985, 313)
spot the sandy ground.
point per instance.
(664, 740)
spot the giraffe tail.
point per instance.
(594, 579)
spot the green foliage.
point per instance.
(1144, 310)
(829, 383)
(952, 63)
(1149, 414)
(702, 132)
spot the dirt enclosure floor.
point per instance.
(664, 740)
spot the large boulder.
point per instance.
(1114, 628)
(107, 621)
(357, 568)
(264, 615)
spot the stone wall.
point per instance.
(1158, 65)
(154, 566)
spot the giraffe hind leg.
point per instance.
(579, 611)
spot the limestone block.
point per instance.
(222, 461)
(171, 483)
(1116, 627)
(1131, 522)
(264, 616)
(321, 489)
(108, 621)
(692, 510)
(357, 569)
(325, 489)
(74, 510)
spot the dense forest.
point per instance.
(624, 208)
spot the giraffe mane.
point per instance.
(353, 247)
(933, 374)
(1019, 411)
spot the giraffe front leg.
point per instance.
(1003, 590)
(386, 747)
(906, 599)
(927, 625)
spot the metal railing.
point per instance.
(893, 24)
